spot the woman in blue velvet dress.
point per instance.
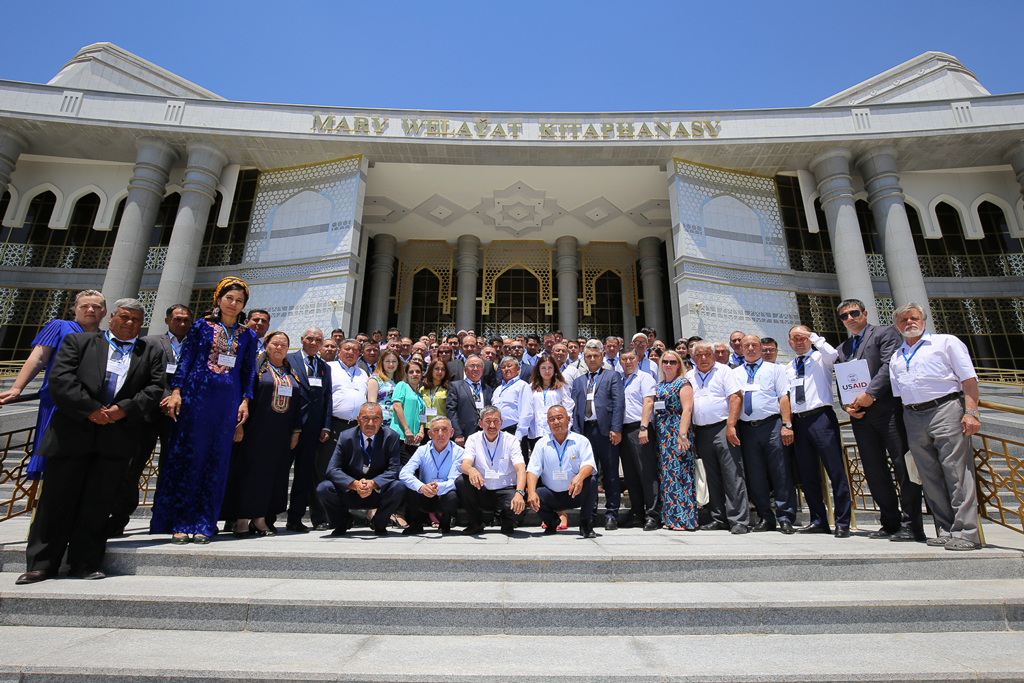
(89, 312)
(210, 395)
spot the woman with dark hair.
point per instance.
(408, 411)
(266, 441)
(434, 390)
(210, 394)
(549, 389)
(89, 311)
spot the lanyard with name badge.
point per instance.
(432, 408)
(280, 389)
(176, 353)
(228, 359)
(490, 472)
(313, 380)
(560, 474)
(903, 352)
(119, 366)
(445, 454)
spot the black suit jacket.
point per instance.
(876, 347)
(76, 387)
(163, 342)
(461, 408)
(457, 370)
(365, 367)
(346, 465)
(319, 403)
(609, 402)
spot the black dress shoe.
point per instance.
(882, 533)
(444, 528)
(298, 528)
(611, 524)
(322, 526)
(713, 526)
(474, 529)
(814, 529)
(551, 529)
(508, 529)
(763, 525)
(786, 527)
(412, 530)
(380, 532)
(652, 525)
(34, 576)
(739, 529)
(587, 529)
(905, 534)
(88, 573)
(339, 531)
(842, 532)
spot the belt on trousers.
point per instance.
(756, 423)
(339, 423)
(631, 424)
(928, 405)
(811, 413)
(710, 426)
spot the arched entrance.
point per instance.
(517, 307)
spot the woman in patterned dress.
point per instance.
(390, 371)
(673, 408)
(265, 441)
(210, 394)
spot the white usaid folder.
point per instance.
(853, 378)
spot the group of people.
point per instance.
(411, 432)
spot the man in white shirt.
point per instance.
(639, 445)
(514, 398)
(560, 354)
(430, 478)
(493, 476)
(717, 398)
(816, 430)
(640, 345)
(560, 475)
(934, 376)
(765, 429)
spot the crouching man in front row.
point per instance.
(563, 464)
(430, 477)
(493, 475)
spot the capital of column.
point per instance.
(205, 162)
(153, 162)
(566, 260)
(878, 167)
(469, 254)
(1014, 155)
(831, 169)
(11, 146)
(384, 254)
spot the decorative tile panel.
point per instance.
(717, 310)
(531, 255)
(617, 257)
(435, 256)
(294, 306)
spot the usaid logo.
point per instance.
(852, 383)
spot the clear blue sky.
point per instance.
(524, 56)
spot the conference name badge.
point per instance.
(284, 390)
(226, 360)
(315, 382)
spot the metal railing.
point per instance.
(17, 492)
(39, 256)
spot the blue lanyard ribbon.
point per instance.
(117, 345)
(560, 454)
(904, 353)
(445, 455)
(704, 378)
(752, 375)
(629, 380)
(490, 453)
(231, 335)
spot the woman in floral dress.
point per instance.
(672, 411)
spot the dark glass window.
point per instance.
(808, 251)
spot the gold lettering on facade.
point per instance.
(514, 128)
(625, 130)
(379, 125)
(607, 130)
(644, 132)
(343, 126)
(481, 126)
(360, 124)
(712, 128)
(681, 131)
(664, 128)
(464, 130)
(697, 129)
(435, 126)
(322, 124)
(590, 133)
(498, 131)
(547, 130)
(572, 129)
(412, 126)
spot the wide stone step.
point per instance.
(100, 655)
(527, 609)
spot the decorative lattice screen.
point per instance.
(616, 257)
(531, 255)
(435, 256)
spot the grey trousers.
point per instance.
(723, 465)
(945, 461)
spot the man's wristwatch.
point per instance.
(787, 425)
(643, 428)
(521, 493)
(973, 413)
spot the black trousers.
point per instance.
(766, 463)
(73, 509)
(607, 457)
(642, 472)
(881, 439)
(416, 504)
(553, 501)
(304, 474)
(337, 503)
(324, 451)
(475, 500)
(816, 439)
(126, 496)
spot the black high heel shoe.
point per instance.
(241, 534)
(253, 530)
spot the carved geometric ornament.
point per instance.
(617, 257)
(530, 255)
(435, 256)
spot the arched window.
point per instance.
(954, 256)
(226, 246)
(809, 252)
(517, 307)
(605, 317)
(427, 313)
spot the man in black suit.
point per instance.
(877, 422)
(156, 426)
(315, 377)
(368, 359)
(465, 399)
(103, 384)
(457, 367)
(599, 412)
(363, 473)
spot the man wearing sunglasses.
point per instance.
(876, 417)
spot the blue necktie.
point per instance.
(800, 396)
(748, 400)
(110, 380)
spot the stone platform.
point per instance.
(628, 606)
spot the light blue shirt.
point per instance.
(432, 466)
(770, 383)
(544, 460)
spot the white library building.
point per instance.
(120, 176)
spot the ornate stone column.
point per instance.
(652, 276)
(145, 194)
(382, 269)
(199, 189)
(468, 261)
(885, 196)
(11, 146)
(568, 270)
(831, 169)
